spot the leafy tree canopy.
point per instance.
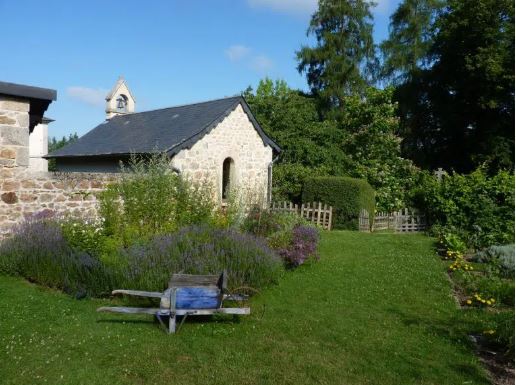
(361, 143)
(55, 144)
(411, 34)
(459, 112)
(291, 119)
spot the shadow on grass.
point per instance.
(204, 319)
(455, 329)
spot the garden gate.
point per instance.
(405, 220)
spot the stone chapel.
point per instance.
(217, 140)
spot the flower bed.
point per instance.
(484, 284)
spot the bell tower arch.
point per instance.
(120, 100)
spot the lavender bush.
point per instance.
(201, 250)
(294, 239)
(39, 252)
(302, 246)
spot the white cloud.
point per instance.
(297, 7)
(92, 96)
(261, 63)
(237, 52)
(242, 54)
(308, 7)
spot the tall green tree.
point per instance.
(459, 113)
(343, 60)
(374, 147)
(291, 119)
(411, 34)
(362, 143)
(308, 144)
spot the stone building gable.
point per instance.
(234, 137)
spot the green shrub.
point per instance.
(450, 243)
(288, 180)
(265, 223)
(501, 331)
(480, 207)
(151, 199)
(83, 235)
(501, 258)
(489, 286)
(347, 196)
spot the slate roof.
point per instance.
(168, 129)
(27, 91)
(39, 99)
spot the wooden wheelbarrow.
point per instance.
(186, 295)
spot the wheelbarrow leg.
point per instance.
(172, 319)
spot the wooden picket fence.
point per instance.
(315, 212)
(405, 220)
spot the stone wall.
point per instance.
(24, 193)
(236, 138)
(14, 132)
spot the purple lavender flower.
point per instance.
(303, 246)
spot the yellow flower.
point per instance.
(492, 300)
(468, 302)
(488, 302)
(483, 300)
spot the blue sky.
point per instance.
(170, 52)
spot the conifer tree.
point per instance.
(343, 60)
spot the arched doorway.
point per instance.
(228, 177)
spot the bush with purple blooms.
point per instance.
(39, 252)
(293, 238)
(201, 250)
(303, 245)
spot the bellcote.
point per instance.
(119, 101)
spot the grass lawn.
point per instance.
(376, 309)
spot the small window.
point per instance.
(228, 177)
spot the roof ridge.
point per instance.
(179, 105)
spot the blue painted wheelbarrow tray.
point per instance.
(187, 295)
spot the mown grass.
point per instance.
(376, 309)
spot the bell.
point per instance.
(120, 105)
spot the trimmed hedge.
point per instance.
(347, 196)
